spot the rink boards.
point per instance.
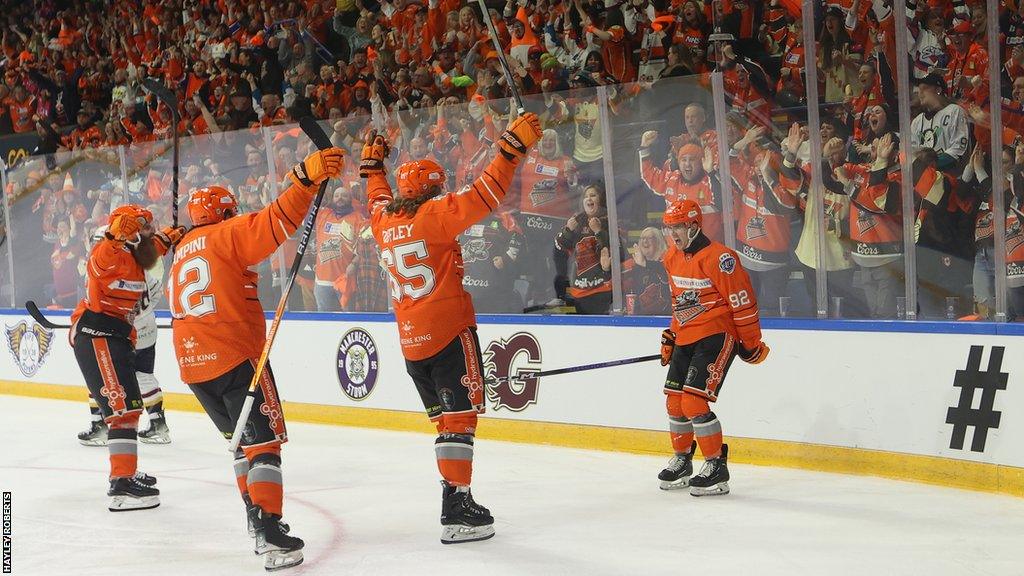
(942, 404)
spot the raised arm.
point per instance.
(483, 196)
(255, 236)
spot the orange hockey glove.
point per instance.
(520, 135)
(168, 237)
(668, 344)
(756, 355)
(125, 228)
(318, 166)
(375, 150)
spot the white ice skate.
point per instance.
(459, 533)
(713, 479)
(157, 433)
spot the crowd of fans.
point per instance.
(426, 72)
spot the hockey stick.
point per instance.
(320, 139)
(171, 101)
(501, 57)
(36, 315)
(571, 369)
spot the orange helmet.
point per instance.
(682, 213)
(207, 205)
(131, 210)
(416, 178)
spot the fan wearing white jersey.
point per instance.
(942, 126)
(145, 356)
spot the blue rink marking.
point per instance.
(805, 324)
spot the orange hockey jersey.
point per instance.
(218, 319)
(114, 285)
(424, 259)
(763, 216)
(711, 294)
(544, 185)
(876, 222)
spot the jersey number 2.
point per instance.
(193, 277)
(402, 274)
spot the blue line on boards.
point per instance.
(803, 324)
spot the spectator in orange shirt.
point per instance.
(21, 106)
(337, 229)
(616, 48)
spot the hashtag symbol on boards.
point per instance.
(984, 417)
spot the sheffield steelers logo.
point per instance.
(357, 364)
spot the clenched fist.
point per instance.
(318, 166)
(375, 150)
(522, 133)
(168, 237)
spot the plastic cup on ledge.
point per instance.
(837, 307)
(901, 307)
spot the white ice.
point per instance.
(367, 502)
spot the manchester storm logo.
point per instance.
(29, 344)
(508, 368)
(357, 364)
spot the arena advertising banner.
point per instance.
(16, 147)
(954, 396)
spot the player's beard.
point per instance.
(145, 253)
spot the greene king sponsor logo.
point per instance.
(508, 365)
(357, 364)
(691, 283)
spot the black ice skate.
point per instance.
(145, 479)
(462, 519)
(157, 433)
(132, 494)
(280, 550)
(252, 515)
(713, 478)
(677, 473)
(96, 435)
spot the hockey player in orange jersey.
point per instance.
(417, 233)
(219, 332)
(104, 341)
(714, 319)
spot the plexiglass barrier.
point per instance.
(852, 182)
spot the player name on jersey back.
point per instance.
(189, 248)
(396, 233)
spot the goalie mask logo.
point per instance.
(29, 344)
(475, 249)
(543, 191)
(357, 364)
(756, 228)
(686, 306)
(865, 221)
(1014, 236)
(508, 365)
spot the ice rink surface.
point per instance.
(367, 502)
